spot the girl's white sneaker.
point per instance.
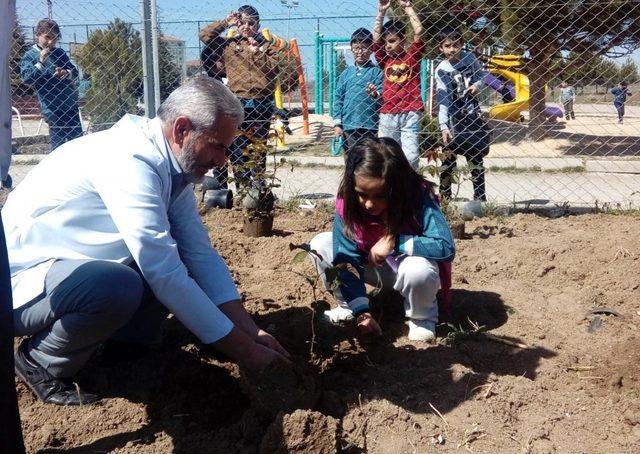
(338, 315)
(422, 330)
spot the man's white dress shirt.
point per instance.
(119, 195)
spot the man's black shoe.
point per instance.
(47, 388)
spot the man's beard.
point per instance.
(188, 162)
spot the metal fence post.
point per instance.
(147, 61)
(155, 46)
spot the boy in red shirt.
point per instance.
(401, 98)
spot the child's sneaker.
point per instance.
(338, 315)
(422, 330)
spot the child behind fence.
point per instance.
(459, 78)
(620, 94)
(358, 91)
(49, 71)
(402, 105)
(251, 67)
(387, 219)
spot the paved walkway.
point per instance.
(555, 182)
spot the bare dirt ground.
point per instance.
(575, 388)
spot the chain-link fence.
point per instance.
(538, 98)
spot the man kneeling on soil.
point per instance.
(104, 239)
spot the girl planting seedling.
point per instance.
(387, 224)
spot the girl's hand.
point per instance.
(406, 3)
(381, 250)
(337, 131)
(367, 324)
(384, 5)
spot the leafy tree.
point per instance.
(629, 72)
(341, 63)
(113, 59)
(544, 31)
(19, 46)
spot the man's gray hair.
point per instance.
(201, 99)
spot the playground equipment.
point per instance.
(514, 89)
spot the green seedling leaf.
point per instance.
(300, 257)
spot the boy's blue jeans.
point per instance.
(257, 121)
(63, 127)
(620, 108)
(404, 128)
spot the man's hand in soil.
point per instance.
(367, 324)
(246, 351)
(266, 339)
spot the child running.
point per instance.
(387, 218)
(459, 78)
(401, 99)
(357, 98)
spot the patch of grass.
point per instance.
(290, 205)
(618, 208)
(536, 169)
(293, 163)
(460, 334)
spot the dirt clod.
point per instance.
(302, 431)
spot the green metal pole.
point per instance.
(424, 81)
(332, 77)
(316, 67)
(320, 100)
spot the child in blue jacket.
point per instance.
(358, 93)
(387, 219)
(620, 94)
(49, 71)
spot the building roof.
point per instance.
(171, 38)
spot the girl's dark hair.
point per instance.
(449, 33)
(46, 26)
(381, 158)
(623, 83)
(393, 27)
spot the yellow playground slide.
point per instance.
(502, 65)
(504, 76)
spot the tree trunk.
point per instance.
(538, 77)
